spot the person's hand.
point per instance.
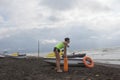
(65, 55)
(68, 46)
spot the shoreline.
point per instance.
(37, 69)
(108, 65)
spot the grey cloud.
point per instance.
(28, 39)
(21, 40)
(53, 18)
(80, 39)
(59, 4)
(92, 5)
(80, 35)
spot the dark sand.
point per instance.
(37, 69)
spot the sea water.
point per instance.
(109, 56)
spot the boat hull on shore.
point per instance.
(71, 61)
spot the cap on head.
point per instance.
(67, 39)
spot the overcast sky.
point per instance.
(89, 23)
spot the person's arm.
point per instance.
(65, 49)
(66, 44)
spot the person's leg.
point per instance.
(58, 61)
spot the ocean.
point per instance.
(107, 55)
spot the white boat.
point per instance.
(71, 61)
(2, 56)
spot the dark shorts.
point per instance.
(56, 49)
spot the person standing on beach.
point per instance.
(57, 49)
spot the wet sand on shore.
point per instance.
(37, 69)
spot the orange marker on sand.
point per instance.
(66, 64)
(65, 61)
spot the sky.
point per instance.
(90, 24)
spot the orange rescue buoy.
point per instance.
(88, 62)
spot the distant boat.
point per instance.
(16, 55)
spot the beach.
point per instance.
(37, 69)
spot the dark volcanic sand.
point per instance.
(37, 69)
